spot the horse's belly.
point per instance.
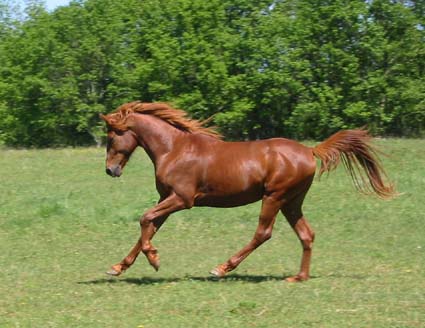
(228, 200)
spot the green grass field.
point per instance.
(59, 233)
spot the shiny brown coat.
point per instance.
(194, 167)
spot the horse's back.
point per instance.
(259, 157)
(277, 150)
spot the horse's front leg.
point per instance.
(150, 223)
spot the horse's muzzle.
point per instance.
(113, 171)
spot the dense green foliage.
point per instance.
(292, 68)
(63, 222)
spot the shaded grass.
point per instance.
(63, 222)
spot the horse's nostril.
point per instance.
(108, 171)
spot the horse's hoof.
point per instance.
(155, 265)
(113, 272)
(217, 272)
(296, 278)
(153, 259)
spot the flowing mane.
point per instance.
(175, 117)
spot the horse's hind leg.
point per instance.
(269, 209)
(293, 213)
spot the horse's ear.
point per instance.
(109, 122)
(105, 118)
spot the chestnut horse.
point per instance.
(194, 167)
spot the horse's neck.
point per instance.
(155, 136)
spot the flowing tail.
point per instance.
(359, 158)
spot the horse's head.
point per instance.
(120, 145)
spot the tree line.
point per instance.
(291, 68)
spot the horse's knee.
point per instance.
(146, 219)
(263, 235)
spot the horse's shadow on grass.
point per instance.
(209, 279)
